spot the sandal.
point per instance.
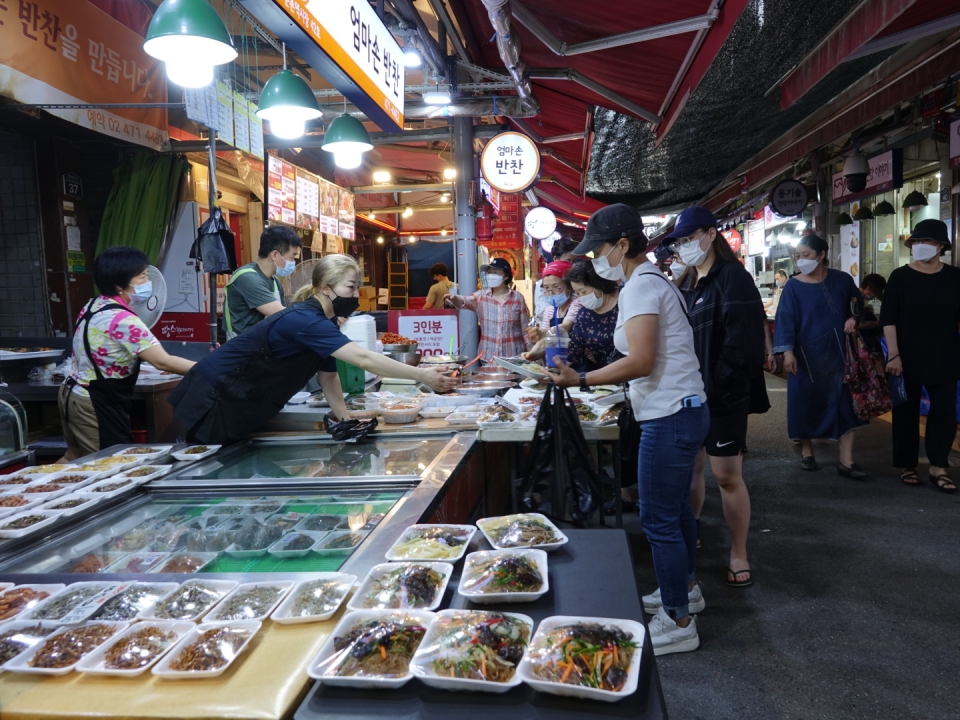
(739, 583)
(808, 462)
(943, 483)
(910, 477)
(854, 472)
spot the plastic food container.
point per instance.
(462, 419)
(151, 641)
(432, 548)
(399, 413)
(432, 648)
(314, 600)
(332, 544)
(487, 524)
(138, 451)
(299, 398)
(13, 503)
(111, 487)
(240, 632)
(438, 411)
(24, 599)
(140, 474)
(69, 478)
(37, 519)
(76, 602)
(136, 562)
(18, 480)
(45, 490)
(67, 505)
(472, 569)
(78, 641)
(187, 456)
(362, 599)
(526, 670)
(326, 659)
(254, 601)
(180, 562)
(129, 603)
(295, 544)
(190, 600)
(19, 636)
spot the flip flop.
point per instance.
(741, 583)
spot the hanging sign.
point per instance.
(329, 207)
(540, 223)
(224, 113)
(308, 200)
(850, 250)
(755, 233)
(789, 197)
(734, 239)
(886, 173)
(510, 162)
(347, 219)
(256, 131)
(347, 43)
(547, 243)
(955, 143)
(241, 123)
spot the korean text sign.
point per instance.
(70, 52)
(510, 162)
(431, 329)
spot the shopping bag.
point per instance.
(865, 375)
(214, 246)
(559, 480)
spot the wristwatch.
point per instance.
(583, 383)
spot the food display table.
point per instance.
(592, 576)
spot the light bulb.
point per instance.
(408, 211)
(380, 239)
(372, 215)
(449, 173)
(443, 232)
(288, 128)
(413, 238)
(411, 58)
(190, 59)
(445, 198)
(381, 176)
(188, 74)
(347, 158)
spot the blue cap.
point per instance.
(690, 220)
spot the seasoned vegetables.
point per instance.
(406, 585)
(519, 531)
(587, 654)
(476, 645)
(504, 573)
(376, 648)
(430, 543)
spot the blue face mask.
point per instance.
(557, 300)
(143, 292)
(287, 269)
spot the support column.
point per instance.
(466, 231)
(212, 203)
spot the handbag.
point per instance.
(865, 375)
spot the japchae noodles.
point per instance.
(403, 586)
(587, 654)
(519, 531)
(477, 646)
(376, 648)
(503, 574)
(430, 543)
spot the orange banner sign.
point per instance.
(69, 52)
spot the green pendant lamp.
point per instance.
(914, 200)
(287, 102)
(863, 213)
(347, 139)
(883, 208)
(844, 219)
(191, 39)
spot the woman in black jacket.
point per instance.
(728, 321)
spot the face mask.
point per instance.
(344, 306)
(287, 268)
(779, 283)
(923, 252)
(604, 269)
(807, 266)
(677, 267)
(557, 300)
(591, 301)
(143, 292)
(693, 254)
(494, 281)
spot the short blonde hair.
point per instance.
(329, 271)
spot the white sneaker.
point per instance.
(652, 602)
(668, 637)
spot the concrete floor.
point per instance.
(853, 612)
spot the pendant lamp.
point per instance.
(844, 219)
(347, 139)
(863, 213)
(287, 103)
(914, 200)
(191, 39)
(883, 208)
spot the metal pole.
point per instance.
(466, 231)
(212, 204)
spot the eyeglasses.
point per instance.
(682, 242)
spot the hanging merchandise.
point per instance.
(214, 246)
(191, 39)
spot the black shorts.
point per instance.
(728, 435)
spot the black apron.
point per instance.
(111, 397)
(240, 402)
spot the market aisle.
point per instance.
(853, 610)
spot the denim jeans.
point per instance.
(668, 447)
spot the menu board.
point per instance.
(241, 124)
(308, 200)
(347, 216)
(225, 113)
(201, 105)
(281, 191)
(329, 202)
(256, 130)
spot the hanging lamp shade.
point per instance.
(844, 219)
(191, 39)
(347, 139)
(914, 200)
(863, 213)
(883, 208)
(287, 103)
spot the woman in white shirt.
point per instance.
(669, 402)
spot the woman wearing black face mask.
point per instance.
(234, 390)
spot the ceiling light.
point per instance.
(408, 211)
(445, 197)
(863, 213)
(413, 238)
(381, 176)
(844, 219)
(914, 200)
(287, 103)
(437, 97)
(443, 232)
(372, 215)
(380, 239)
(883, 208)
(347, 139)
(411, 58)
(449, 173)
(191, 39)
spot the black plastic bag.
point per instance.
(560, 480)
(214, 245)
(349, 430)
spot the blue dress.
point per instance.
(591, 340)
(809, 322)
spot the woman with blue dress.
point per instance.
(591, 340)
(817, 308)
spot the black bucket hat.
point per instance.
(935, 230)
(609, 224)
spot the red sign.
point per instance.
(734, 239)
(187, 327)
(508, 228)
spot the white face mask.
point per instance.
(604, 269)
(557, 300)
(693, 254)
(677, 268)
(591, 301)
(494, 281)
(780, 283)
(806, 266)
(923, 252)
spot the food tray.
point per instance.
(14, 481)
(95, 662)
(214, 615)
(496, 425)
(16, 625)
(161, 450)
(322, 549)
(18, 533)
(518, 368)
(94, 489)
(277, 548)
(462, 419)
(146, 561)
(206, 557)
(443, 568)
(45, 490)
(154, 591)
(392, 553)
(426, 653)
(30, 502)
(140, 479)
(79, 610)
(554, 688)
(11, 355)
(539, 557)
(162, 669)
(221, 587)
(52, 589)
(283, 612)
(90, 475)
(546, 547)
(5, 586)
(187, 457)
(21, 663)
(88, 502)
(438, 411)
(611, 399)
(349, 620)
(42, 470)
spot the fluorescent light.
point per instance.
(437, 97)
(381, 176)
(449, 173)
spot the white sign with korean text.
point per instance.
(510, 162)
(886, 173)
(431, 332)
(540, 223)
(755, 232)
(850, 250)
(225, 113)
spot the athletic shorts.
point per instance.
(728, 435)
